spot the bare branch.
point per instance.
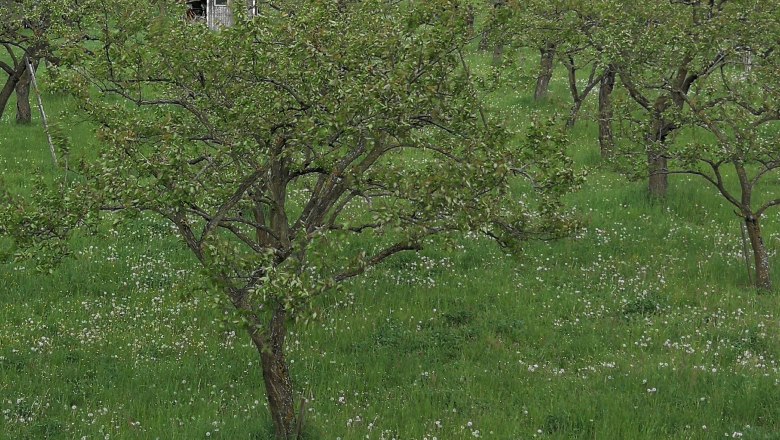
(378, 258)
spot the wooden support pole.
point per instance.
(40, 107)
(745, 251)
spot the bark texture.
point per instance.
(470, 19)
(10, 86)
(658, 182)
(578, 97)
(6, 92)
(545, 71)
(660, 127)
(760, 255)
(23, 111)
(276, 374)
(484, 41)
(657, 162)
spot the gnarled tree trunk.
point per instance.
(607, 85)
(23, 112)
(545, 71)
(760, 255)
(276, 374)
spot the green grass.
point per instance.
(642, 326)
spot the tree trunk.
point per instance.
(658, 183)
(276, 374)
(470, 18)
(23, 112)
(6, 92)
(489, 37)
(606, 142)
(576, 98)
(498, 54)
(10, 86)
(760, 255)
(657, 167)
(484, 41)
(545, 71)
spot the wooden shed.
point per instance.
(216, 13)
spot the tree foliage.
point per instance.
(32, 31)
(296, 150)
(735, 112)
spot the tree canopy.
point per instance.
(297, 149)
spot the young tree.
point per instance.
(663, 50)
(30, 32)
(741, 113)
(275, 145)
(595, 75)
(22, 40)
(542, 25)
(601, 22)
(565, 32)
(536, 25)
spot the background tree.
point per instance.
(527, 25)
(561, 31)
(739, 111)
(32, 31)
(542, 26)
(600, 23)
(295, 151)
(22, 35)
(577, 53)
(661, 50)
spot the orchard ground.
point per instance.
(641, 325)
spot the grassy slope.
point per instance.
(642, 326)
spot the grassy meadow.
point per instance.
(643, 325)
